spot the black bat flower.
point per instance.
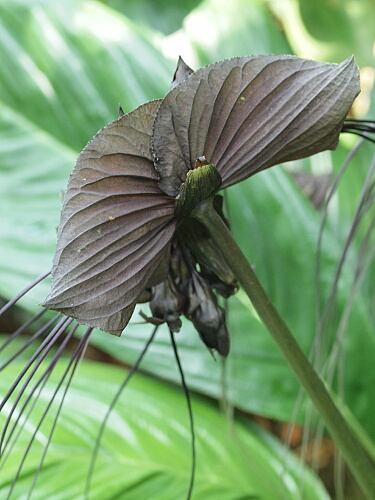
(126, 235)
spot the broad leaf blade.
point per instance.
(329, 31)
(34, 168)
(218, 30)
(77, 62)
(145, 450)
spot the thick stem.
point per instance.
(358, 461)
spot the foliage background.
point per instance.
(66, 68)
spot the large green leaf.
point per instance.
(163, 15)
(329, 30)
(145, 450)
(218, 29)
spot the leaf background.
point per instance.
(66, 68)
(144, 449)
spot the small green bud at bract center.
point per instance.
(201, 182)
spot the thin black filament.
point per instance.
(15, 299)
(72, 366)
(29, 341)
(42, 352)
(131, 372)
(362, 128)
(191, 420)
(46, 373)
(321, 315)
(22, 328)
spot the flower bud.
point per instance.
(207, 316)
(167, 303)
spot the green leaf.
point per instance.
(145, 449)
(328, 30)
(33, 168)
(163, 15)
(218, 29)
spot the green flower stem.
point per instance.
(358, 461)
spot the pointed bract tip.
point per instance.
(182, 72)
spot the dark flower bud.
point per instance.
(207, 316)
(207, 254)
(167, 303)
(223, 288)
(180, 264)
